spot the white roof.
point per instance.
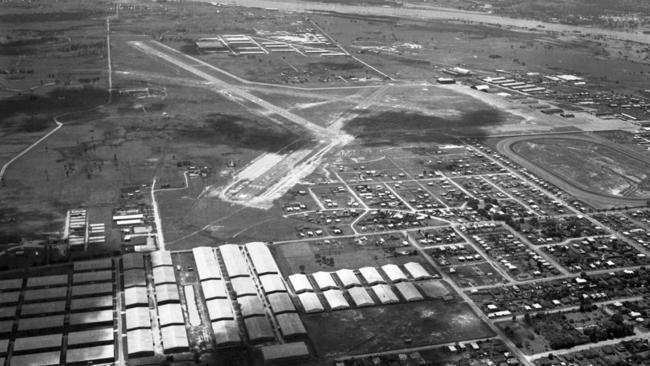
(41, 308)
(310, 302)
(250, 306)
(336, 300)
(163, 275)
(136, 296)
(234, 260)
(371, 275)
(139, 341)
(281, 302)
(88, 354)
(213, 289)
(97, 276)
(290, 324)
(132, 260)
(169, 314)
(12, 284)
(40, 359)
(417, 271)
(134, 277)
(161, 258)
(348, 278)
(272, 283)
(220, 309)
(360, 296)
(138, 317)
(258, 328)
(91, 317)
(91, 336)
(174, 338)
(394, 273)
(37, 342)
(408, 291)
(324, 280)
(385, 294)
(93, 265)
(52, 280)
(167, 293)
(243, 286)
(43, 322)
(207, 266)
(300, 283)
(96, 302)
(226, 332)
(261, 258)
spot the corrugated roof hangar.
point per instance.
(104, 353)
(360, 296)
(226, 332)
(138, 317)
(134, 277)
(310, 302)
(385, 294)
(169, 314)
(394, 273)
(336, 300)
(167, 293)
(348, 278)
(139, 342)
(258, 329)
(262, 259)
(213, 289)
(207, 266)
(281, 303)
(234, 260)
(243, 286)
(132, 261)
(250, 306)
(324, 280)
(161, 258)
(300, 283)
(408, 291)
(290, 325)
(417, 271)
(174, 338)
(371, 275)
(272, 283)
(219, 309)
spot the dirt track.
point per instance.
(594, 198)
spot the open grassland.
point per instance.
(382, 328)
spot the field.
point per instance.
(389, 327)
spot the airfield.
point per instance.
(227, 184)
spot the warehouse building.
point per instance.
(233, 260)
(310, 302)
(170, 314)
(250, 306)
(409, 292)
(243, 286)
(93, 265)
(394, 273)
(167, 293)
(371, 275)
(214, 289)
(42, 308)
(385, 294)
(290, 325)
(92, 303)
(11, 297)
(348, 278)
(281, 354)
(336, 300)
(134, 277)
(138, 317)
(360, 297)
(51, 358)
(300, 283)
(52, 322)
(91, 318)
(220, 309)
(416, 271)
(95, 354)
(258, 329)
(132, 261)
(207, 265)
(11, 284)
(47, 281)
(281, 303)
(136, 296)
(96, 276)
(324, 280)
(91, 337)
(262, 259)
(92, 289)
(139, 342)
(161, 258)
(163, 274)
(272, 283)
(226, 332)
(174, 338)
(38, 343)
